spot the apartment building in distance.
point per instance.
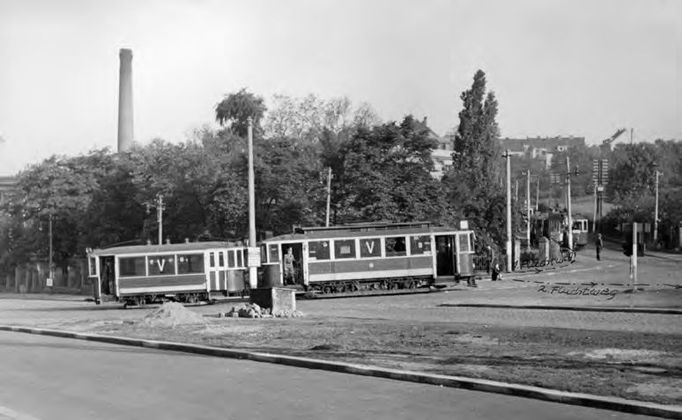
(7, 184)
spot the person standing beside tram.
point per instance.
(289, 259)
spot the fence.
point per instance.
(32, 278)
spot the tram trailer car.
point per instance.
(185, 272)
(370, 256)
(580, 232)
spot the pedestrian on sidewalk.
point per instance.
(599, 244)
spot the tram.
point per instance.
(185, 272)
(580, 232)
(368, 256)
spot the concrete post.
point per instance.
(125, 100)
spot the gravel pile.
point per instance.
(253, 310)
(172, 314)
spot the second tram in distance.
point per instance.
(368, 256)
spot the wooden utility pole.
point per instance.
(633, 258)
(159, 216)
(658, 173)
(49, 264)
(329, 194)
(594, 218)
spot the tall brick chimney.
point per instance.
(125, 100)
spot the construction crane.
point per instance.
(606, 144)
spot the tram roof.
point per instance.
(152, 249)
(361, 231)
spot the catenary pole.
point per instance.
(528, 210)
(509, 226)
(253, 273)
(568, 201)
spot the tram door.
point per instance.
(445, 256)
(292, 267)
(216, 271)
(107, 276)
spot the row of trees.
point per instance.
(381, 171)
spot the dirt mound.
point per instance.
(172, 314)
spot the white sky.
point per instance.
(558, 67)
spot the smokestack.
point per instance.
(125, 100)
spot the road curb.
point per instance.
(587, 400)
(663, 311)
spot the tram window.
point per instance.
(344, 249)
(395, 247)
(132, 266)
(190, 263)
(263, 254)
(240, 258)
(370, 248)
(161, 264)
(273, 254)
(318, 250)
(221, 259)
(420, 245)
(230, 259)
(464, 242)
(92, 266)
(211, 259)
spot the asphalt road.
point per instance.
(54, 378)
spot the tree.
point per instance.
(385, 175)
(305, 119)
(632, 171)
(235, 109)
(474, 181)
(60, 189)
